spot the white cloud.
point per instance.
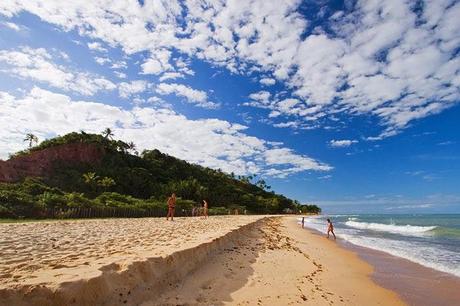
(267, 81)
(290, 162)
(285, 107)
(415, 206)
(11, 26)
(154, 100)
(120, 75)
(170, 76)
(96, 46)
(157, 63)
(38, 65)
(102, 60)
(119, 65)
(126, 89)
(384, 59)
(261, 96)
(209, 142)
(446, 143)
(423, 175)
(342, 143)
(194, 96)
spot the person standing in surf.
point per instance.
(171, 206)
(330, 228)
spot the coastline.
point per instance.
(414, 283)
(231, 260)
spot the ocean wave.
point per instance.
(411, 230)
(428, 256)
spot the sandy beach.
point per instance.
(228, 260)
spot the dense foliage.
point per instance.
(126, 179)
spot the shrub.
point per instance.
(218, 211)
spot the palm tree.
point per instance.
(107, 133)
(106, 182)
(31, 138)
(131, 146)
(91, 179)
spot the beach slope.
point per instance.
(280, 264)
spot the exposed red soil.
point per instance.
(41, 163)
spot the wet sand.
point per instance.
(416, 284)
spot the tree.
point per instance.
(132, 147)
(263, 185)
(106, 182)
(31, 138)
(107, 133)
(91, 179)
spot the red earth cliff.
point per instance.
(41, 163)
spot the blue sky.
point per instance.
(351, 105)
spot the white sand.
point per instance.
(42, 258)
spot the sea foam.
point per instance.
(410, 230)
(417, 252)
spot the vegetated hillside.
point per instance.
(111, 176)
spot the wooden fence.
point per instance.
(107, 212)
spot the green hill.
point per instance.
(120, 178)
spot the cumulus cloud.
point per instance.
(102, 60)
(96, 46)
(38, 65)
(209, 142)
(342, 143)
(171, 76)
(392, 60)
(284, 107)
(157, 63)
(292, 162)
(267, 81)
(127, 89)
(119, 65)
(193, 96)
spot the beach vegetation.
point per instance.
(125, 179)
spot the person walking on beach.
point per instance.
(303, 222)
(171, 206)
(205, 209)
(330, 228)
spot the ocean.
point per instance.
(430, 240)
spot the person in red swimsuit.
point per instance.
(330, 228)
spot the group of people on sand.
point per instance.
(330, 227)
(172, 208)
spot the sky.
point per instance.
(351, 105)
